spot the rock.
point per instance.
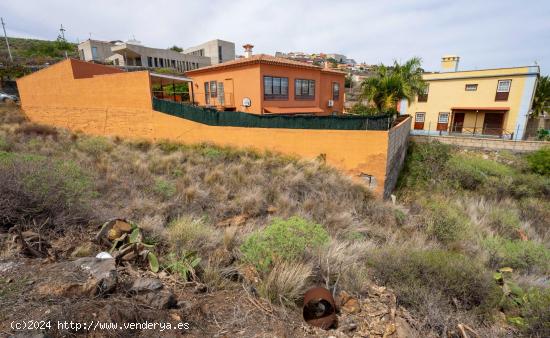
(102, 272)
(122, 226)
(351, 306)
(146, 284)
(160, 299)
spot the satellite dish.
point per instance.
(247, 102)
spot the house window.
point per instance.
(335, 91)
(94, 53)
(220, 54)
(156, 62)
(442, 121)
(419, 121)
(304, 89)
(81, 52)
(207, 92)
(213, 89)
(161, 62)
(150, 61)
(423, 97)
(443, 118)
(471, 87)
(503, 90)
(275, 88)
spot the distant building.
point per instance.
(481, 103)
(133, 54)
(217, 50)
(264, 84)
(338, 57)
(95, 50)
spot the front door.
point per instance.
(492, 123)
(458, 122)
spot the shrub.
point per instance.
(434, 282)
(446, 221)
(5, 145)
(95, 146)
(282, 240)
(285, 283)
(182, 264)
(425, 163)
(188, 234)
(169, 147)
(539, 161)
(36, 129)
(536, 312)
(504, 221)
(39, 188)
(527, 256)
(543, 134)
(472, 171)
(164, 188)
(364, 110)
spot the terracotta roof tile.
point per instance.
(259, 58)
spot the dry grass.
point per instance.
(286, 282)
(179, 194)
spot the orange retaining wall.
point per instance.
(120, 104)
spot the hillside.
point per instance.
(36, 52)
(241, 235)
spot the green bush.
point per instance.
(504, 221)
(472, 171)
(446, 221)
(539, 161)
(282, 240)
(41, 189)
(95, 146)
(430, 279)
(361, 109)
(164, 188)
(527, 256)
(536, 312)
(425, 163)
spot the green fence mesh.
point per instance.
(213, 117)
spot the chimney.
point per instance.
(449, 63)
(248, 50)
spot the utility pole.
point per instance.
(6, 37)
(62, 30)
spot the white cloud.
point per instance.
(493, 33)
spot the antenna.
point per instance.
(6, 37)
(62, 30)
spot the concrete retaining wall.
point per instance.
(483, 143)
(398, 141)
(120, 104)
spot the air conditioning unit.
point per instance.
(331, 103)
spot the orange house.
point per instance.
(264, 84)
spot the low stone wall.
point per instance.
(483, 143)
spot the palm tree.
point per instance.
(392, 84)
(541, 101)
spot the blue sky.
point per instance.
(484, 33)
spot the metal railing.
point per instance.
(225, 101)
(465, 131)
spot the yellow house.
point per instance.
(481, 103)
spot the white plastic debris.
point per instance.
(103, 255)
